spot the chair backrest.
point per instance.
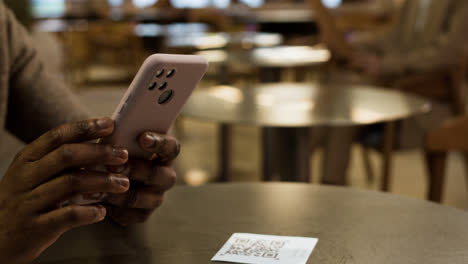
(330, 34)
(445, 85)
(458, 75)
(419, 22)
(450, 136)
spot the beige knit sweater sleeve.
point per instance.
(37, 99)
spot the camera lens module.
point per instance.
(163, 86)
(152, 86)
(170, 73)
(165, 97)
(159, 73)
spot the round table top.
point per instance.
(199, 41)
(301, 105)
(276, 56)
(256, 39)
(302, 15)
(352, 226)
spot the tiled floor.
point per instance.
(197, 163)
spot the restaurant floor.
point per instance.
(197, 163)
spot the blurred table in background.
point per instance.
(286, 111)
(267, 63)
(352, 226)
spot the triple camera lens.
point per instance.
(167, 95)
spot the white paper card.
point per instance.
(265, 249)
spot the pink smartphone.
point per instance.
(155, 98)
(152, 103)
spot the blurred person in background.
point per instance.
(427, 36)
(50, 169)
(418, 54)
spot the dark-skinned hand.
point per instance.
(150, 179)
(44, 175)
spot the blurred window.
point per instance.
(191, 3)
(200, 3)
(115, 3)
(332, 3)
(213, 3)
(221, 3)
(48, 8)
(422, 15)
(253, 3)
(149, 30)
(144, 3)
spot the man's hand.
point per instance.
(44, 175)
(149, 180)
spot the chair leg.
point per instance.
(465, 157)
(389, 136)
(267, 151)
(435, 162)
(367, 165)
(224, 149)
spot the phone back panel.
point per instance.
(140, 109)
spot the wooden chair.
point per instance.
(431, 85)
(330, 34)
(444, 86)
(450, 136)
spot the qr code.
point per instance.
(256, 248)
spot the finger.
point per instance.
(128, 216)
(66, 218)
(144, 198)
(69, 133)
(161, 178)
(77, 156)
(165, 147)
(139, 170)
(80, 182)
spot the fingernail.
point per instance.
(104, 123)
(149, 141)
(153, 156)
(101, 212)
(124, 182)
(178, 149)
(93, 196)
(120, 153)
